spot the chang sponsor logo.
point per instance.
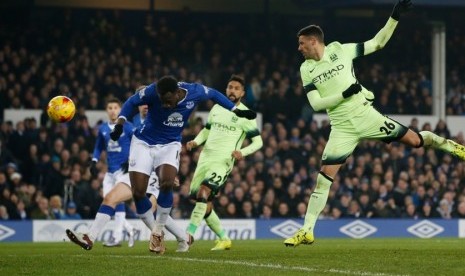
(286, 229)
(425, 229)
(174, 120)
(358, 229)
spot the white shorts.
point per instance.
(111, 179)
(145, 158)
(154, 186)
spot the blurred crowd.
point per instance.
(90, 56)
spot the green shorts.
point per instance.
(211, 173)
(369, 125)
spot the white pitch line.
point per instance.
(242, 263)
(271, 266)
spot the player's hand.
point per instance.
(93, 168)
(237, 154)
(125, 167)
(248, 114)
(176, 182)
(116, 132)
(190, 145)
(402, 6)
(352, 90)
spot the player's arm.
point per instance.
(321, 103)
(98, 148)
(382, 37)
(221, 99)
(146, 95)
(252, 133)
(202, 136)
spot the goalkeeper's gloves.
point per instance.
(352, 90)
(93, 168)
(116, 132)
(402, 6)
(248, 114)
(125, 167)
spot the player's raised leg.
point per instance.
(121, 192)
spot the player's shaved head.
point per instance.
(312, 30)
(167, 84)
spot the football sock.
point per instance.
(174, 229)
(213, 221)
(317, 201)
(120, 217)
(144, 212)
(103, 216)
(165, 202)
(196, 217)
(437, 142)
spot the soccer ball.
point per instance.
(61, 109)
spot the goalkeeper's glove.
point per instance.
(402, 6)
(353, 89)
(125, 167)
(93, 168)
(248, 114)
(116, 132)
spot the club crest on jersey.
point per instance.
(234, 119)
(189, 104)
(333, 57)
(174, 120)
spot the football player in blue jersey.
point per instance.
(156, 144)
(117, 187)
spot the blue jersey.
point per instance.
(117, 151)
(165, 125)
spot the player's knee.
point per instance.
(166, 185)
(418, 141)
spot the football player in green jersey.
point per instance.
(329, 81)
(223, 136)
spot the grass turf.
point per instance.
(381, 257)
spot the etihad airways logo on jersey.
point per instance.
(174, 120)
(223, 127)
(328, 74)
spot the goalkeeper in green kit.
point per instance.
(223, 136)
(329, 81)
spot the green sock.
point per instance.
(317, 202)
(213, 221)
(196, 217)
(437, 142)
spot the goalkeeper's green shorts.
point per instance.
(369, 125)
(212, 173)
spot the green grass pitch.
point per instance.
(382, 257)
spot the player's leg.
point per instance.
(166, 163)
(119, 193)
(184, 240)
(140, 167)
(431, 140)
(121, 223)
(213, 221)
(340, 146)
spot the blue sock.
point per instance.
(105, 209)
(165, 199)
(143, 205)
(120, 208)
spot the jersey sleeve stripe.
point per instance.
(208, 126)
(359, 49)
(252, 133)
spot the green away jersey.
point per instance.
(227, 132)
(332, 75)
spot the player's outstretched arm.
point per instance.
(318, 103)
(383, 36)
(221, 99)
